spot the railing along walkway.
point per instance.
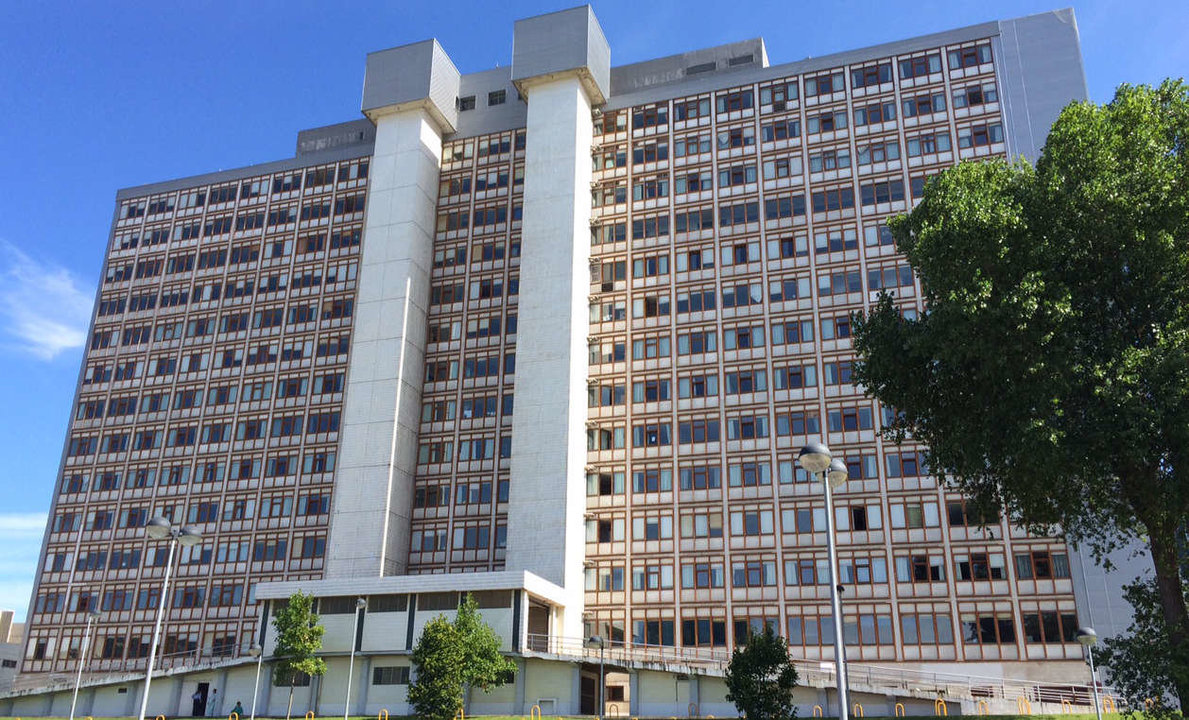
(819, 672)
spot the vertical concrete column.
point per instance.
(365, 681)
(545, 523)
(381, 413)
(175, 695)
(520, 708)
(633, 693)
(405, 94)
(265, 691)
(561, 63)
(221, 701)
(575, 692)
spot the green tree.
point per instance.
(1140, 663)
(760, 678)
(299, 638)
(453, 657)
(1050, 374)
(437, 691)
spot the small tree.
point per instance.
(437, 691)
(452, 657)
(760, 678)
(299, 638)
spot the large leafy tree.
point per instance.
(1050, 374)
(1141, 662)
(299, 638)
(760, 678)
(452, 657)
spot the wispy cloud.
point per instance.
(20, 536)
(43, 310)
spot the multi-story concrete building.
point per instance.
(558, 330)
(11, 634)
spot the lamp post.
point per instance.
(815, 458)
(92, 616)
(598, 640)
(360, 604)
(159, 528)
(1087, 637)
(257, 652)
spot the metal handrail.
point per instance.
(823, 670)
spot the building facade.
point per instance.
(558, 318)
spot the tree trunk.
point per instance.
(289, 710)
(1162, 541)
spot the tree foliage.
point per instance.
(299, 638)
(760, 678)
(1050, 374)
(1141, 663)
(451, 657)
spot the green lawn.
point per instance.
(298, 716)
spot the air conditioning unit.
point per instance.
(778, 105)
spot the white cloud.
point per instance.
(43, 310)
(20, 536)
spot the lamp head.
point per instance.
(814, 457)
(360, 603)
(255, 650)
(836, 474)
(1087, 636)
(158, 528)
(595, 640)
(189, 536)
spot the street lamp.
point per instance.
(815, 458)
(1087, 637)
(598, 640)
(92, 616)
(159, 528)
(360, 604)
(257, 652)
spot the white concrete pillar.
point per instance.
(369, 530)
(548, 489)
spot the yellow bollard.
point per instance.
(383, 715)
(310, 715)
(1149, 703)
(692, 710)
(984, 707)
(899, 710)
(858, 710)
(460, 715)
(817, 711)
(534, 712)
(1066, 706)
(232, 716)
(1023, 705)
(1109, 705)
(160, 717)
(940, 709)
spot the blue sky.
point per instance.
(98, 96)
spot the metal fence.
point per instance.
(876, 676)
